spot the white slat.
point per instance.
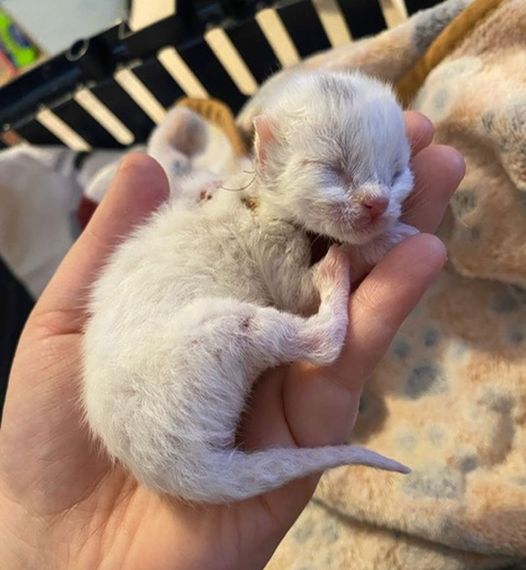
(395, 12)
(61, 130)
(277, 36)
(140, 94)
(333, 22)
(233, 63)
(146, 12)
(183, 75)
(96, 108)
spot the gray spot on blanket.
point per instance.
(401, 347)
(468, 463)
(463, 202)
(439, 101)
(516, 334)
(302, 532)
(503, 302)
(330, 531)
(436, 435)
(519, 293)
(497, 401)
(406, 441)
(425, 379)
(430, 337)
(437, 482)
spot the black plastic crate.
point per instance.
(101, 74)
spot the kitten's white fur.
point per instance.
(208, 294)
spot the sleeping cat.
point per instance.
(212, 291)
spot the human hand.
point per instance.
(65, 505)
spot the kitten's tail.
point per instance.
(235, 475)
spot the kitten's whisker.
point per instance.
(315, 240)
(239, 189)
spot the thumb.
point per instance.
(139, 187)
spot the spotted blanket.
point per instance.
(449, 398)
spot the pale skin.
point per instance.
(65, 506)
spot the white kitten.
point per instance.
(207, 295)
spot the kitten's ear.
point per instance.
(264, 137)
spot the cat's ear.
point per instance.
(263, 137)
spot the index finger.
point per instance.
(419, 129)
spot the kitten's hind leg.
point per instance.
(283, 337)
(235, 342)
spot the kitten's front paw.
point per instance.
(332, 273)
(326, 330)
(374, 251)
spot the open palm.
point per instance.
(65, 505)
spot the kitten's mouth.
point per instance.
(369, 229)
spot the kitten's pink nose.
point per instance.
(375, 207)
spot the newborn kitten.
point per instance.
(207, 295)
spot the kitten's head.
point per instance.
(332, 154)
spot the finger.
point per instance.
(321, 404)
(385, 298)
(419, 129)
(139, 187)
(438, 171)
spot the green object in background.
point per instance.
(16, 45)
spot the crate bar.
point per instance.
(278, 37)
(231, 61)
(35, 133)
(140, 94)
(333, 22)
(124, 108)
(304, 27)
(172, 31)
(201, 59)
(191, 47)
(96, 108)
(153, 74)
(62, 130)
(363, 17)
(179, 70)
(416, 5)
(80, 121)
(253, 47)
(395, 12)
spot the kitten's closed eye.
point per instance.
(339, 173)
(335, 171)
(313, 162)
